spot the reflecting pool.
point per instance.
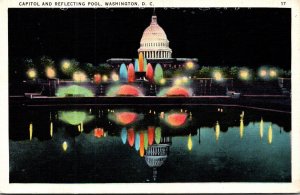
(148, 144)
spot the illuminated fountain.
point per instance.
(142, 149)
(136, 65)
(75, 117)
(190, 142)
(158, 74)
(74, 91)
(141, 62)
(151, 134)
(124, 117)
(124, 135)
(130, 136)
(149, 73)
(137, 141)
(123, 73)
(131, 73)
(124, 90)
(175, 119)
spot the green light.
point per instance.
(74, 90)
(74, 117)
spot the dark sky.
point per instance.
(251, 37)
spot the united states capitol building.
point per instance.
(155, 47)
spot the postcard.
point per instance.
(149, 96)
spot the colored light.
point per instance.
(263, 73)
(50, 72)
(217, 131)
(190, 142)
(273, 73)
(158, 74)
(75, 117)
(74, 90)
(136, 65)
(30, 131)
(176, 119)
(126, 118)
(178, 81)
(130, 136)
(162, 81)
(145, 140)
(141, 62)
(97, 79)
(261, 128)
(137, 141)
(270, 134)
(185, 79)
(218, 76)
(31, 73)
(145, 64)
(142, 149)
(131, 73)
(241, 128)
(149, 72)
(79, 76)
(98, 132)
(128, 90)
(51, 129)
(190, 65)
(151, 132)
(123, 135)
(244, 74)
(65, 65)
(123, 73)
(157, 135)
(104, 78)
(177, 91)
(114, 77)
(65, 146)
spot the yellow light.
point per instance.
(162, 81)
(104, 78)
(31, 73)
(189, 65)
(261, 128)
(190, 143)
(217, 131)
(263, 73)
(270, 134)
(30, 131)
(65, 146)
(66, 65)
(115, 77)
(79, 76)
(273, 73)
(241, 128)
(185, 79)
(50, 72)
(218, 76)
(244, 74)
(51, 129)
(178, 81)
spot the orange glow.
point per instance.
(97, 79)
(126, 118)
(151, 131)
(130, 136)
(50, 72)
(131, 73)
(177, 119)
(128, 90)
(98, 132)
(178, 91)
(142, 149)
(149, 72)
(141, 62)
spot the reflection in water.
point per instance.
(217, 131)
(51, 129)
(124, 117)
(98, 132)
(142, 149)
(190, 143)
(65, 146)
(241, 128)
(75, 117)
(137, 141)
(30, 131)
(176, 119)
(270, 134)
(151, 131)
(130, 136)
(123, 135)
(157, 135)
(145, 140)
(261, 128)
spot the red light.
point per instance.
(131, 73)
(176, 119)
(126, 118)
(130, 136)
(97, 78)
(142, 149)
(149, 72)
(151, 131)
(128, 90)
(178, 91)
(98, 132)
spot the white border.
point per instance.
(293, 187)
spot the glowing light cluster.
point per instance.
(79, 76)
(177, 91)
(176, 119)
(190, 65)
(31, 73)
(74, 90)
(124, 90)
(124, 117)
(97, 78)
(99, 132)
(75, 117)
(50, 72)
(217, 76)
(268, 73)
(244, 74)
(115, 77)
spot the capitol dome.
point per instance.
(154, 43)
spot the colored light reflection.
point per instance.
(241, 128)
(30, 131)
(128, 90)
(157, 135)
(261, 128)
(126, 118)
(75, 117)
(145, 140)
(190, 142)
(151, 134)
(31, 73)
(270, 134)
(65, 146)
(51, 129)
(99, 132)
(130, 136)
(137, 141)
(123, 135)
(50, 72)
(217, 129)
(142, 149)
(74, 90)
(176, 119)
(131, 73)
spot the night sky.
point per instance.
(217, 37)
